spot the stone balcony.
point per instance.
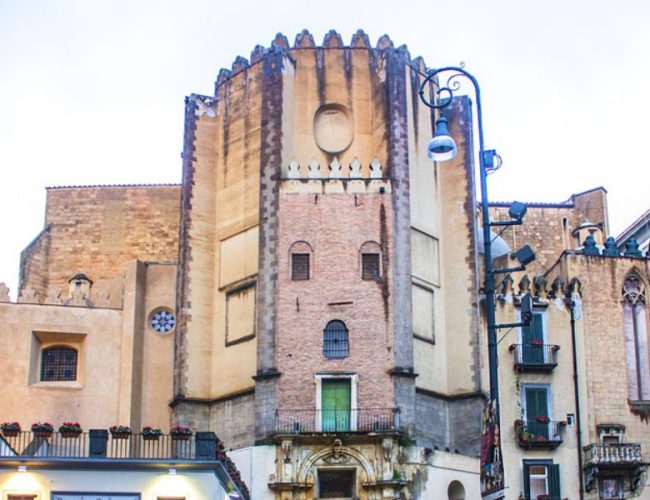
(624, 460)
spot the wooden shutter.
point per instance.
(336, 404)
(537, 406)
(554, 481)
(526, 480)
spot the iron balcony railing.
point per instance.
(539, 433)
(126, 447)
(535, 357)
(613, 454)
(355, 420)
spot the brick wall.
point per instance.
(336, 226)
(96, 230)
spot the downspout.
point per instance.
(572, 305)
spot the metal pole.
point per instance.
(445, 94)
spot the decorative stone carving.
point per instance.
(506, 284)
(540, 286)
(28, 295)
(524, 285)
(314, 169)
(375, 169)
(54, 297)
(610, 248)
(4, 293)
(590, 247)
(294, 169)
(387, 447)
(632, 249)
(355, 168)
(205, 106)
(556, 288)
(333, 128)
(336, 457)
(335, 169)
(287, 448)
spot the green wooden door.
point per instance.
(537, 406)
(533, 341)
(335, 405)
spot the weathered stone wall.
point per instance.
(33, 266)
(95, 230)
(601, 280)
(548, 228)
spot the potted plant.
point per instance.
(70, 429)
(42, 429)
(179, 433)
(542, 419)
(120, 431)
(150, 434)
(10, 429)
(538, 342)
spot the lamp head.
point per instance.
(517, 210)
(442, 147)
(524, 255)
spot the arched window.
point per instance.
(370, 261)
(301, 255)
(335, 340)
(636, 338)
(456, 491)
(58, 364)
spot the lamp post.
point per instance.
(442, 148)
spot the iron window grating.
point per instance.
(299, 266)
(336, 344)
(370, 266)
(59, 364)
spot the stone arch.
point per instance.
(456, 491)
(308, 464)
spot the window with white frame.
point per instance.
(541, 480)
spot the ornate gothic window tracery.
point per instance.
(636, 338)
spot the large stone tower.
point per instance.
(326, 288)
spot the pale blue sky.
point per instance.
(92, 91)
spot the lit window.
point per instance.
(370, 266)
(58, 364)
(335, 342)
(541, 478)
(299, 266)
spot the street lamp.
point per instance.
(442, 148)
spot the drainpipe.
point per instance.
(572, 305)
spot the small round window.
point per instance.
(162, 320)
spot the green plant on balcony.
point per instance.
(10, 429)
(70, 429)
(180, 433)
(120, 431)
(150, 433)
(42, 429)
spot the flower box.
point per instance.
(42, 429)
(150, 434)
(179, 433)
(70, 434)
(70, 429)
(120, 432)
(10, 432)
(10, 429)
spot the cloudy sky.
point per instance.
(91, 92)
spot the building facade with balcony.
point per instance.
(574, 406)
(310, 293)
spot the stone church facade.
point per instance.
(310, 293)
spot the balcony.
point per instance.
(539, 433)
(360, 420)
(98, 444)
(535, 358)
(606, 460)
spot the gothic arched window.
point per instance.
(58, 364)
(636, 338)
(335, 340)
